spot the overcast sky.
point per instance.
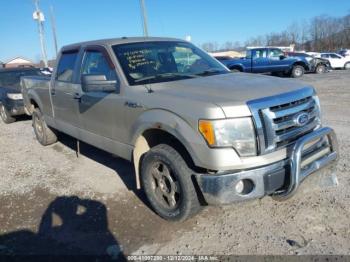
(204, 20)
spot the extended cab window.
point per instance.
(95, 63)
(259, 53)
(65, 69)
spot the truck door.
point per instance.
(260, 62)
(278, 62)
(64, 90)
(101, 104)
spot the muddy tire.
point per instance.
(44, 134)
(297, 71)
(166, 180)
(5, 115)
(320, 69)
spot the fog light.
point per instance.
(244, 186)
(239, 187)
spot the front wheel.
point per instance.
(5, 115)
(166, 180)
(44, 134)
(320, 69)
(297, 71)
(347, 66)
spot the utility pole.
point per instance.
(53, 24)
(144, 18)
(39, 17)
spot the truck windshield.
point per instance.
(154, 62)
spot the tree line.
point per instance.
(320, 33)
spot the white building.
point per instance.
(18, 62)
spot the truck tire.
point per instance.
(297, 71)
(320, 69)
(44, 134)
(166, 180)
(347, 66)
(5, 115)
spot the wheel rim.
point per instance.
(3, 113)
(165, 187)
(320, 69)
(38, 125)
(298, 72)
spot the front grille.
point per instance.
(279, 119)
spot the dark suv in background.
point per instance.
(11, 100)
(316, 65)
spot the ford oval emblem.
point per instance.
(301, 119)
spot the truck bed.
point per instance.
(41, 85)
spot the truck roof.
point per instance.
(122, 40)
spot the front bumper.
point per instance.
(14, 107)
(281, 180)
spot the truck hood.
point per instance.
(230, 91)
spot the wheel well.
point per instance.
(236, 67)
(301, 64)
(155, 137)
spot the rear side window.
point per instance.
(65, 69)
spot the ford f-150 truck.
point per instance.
(196, 133)
(268, 60)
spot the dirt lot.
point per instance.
(53, 202)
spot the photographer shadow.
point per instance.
(70, 227)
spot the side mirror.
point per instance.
(98, 83)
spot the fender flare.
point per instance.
(33, 97)
(168, 122)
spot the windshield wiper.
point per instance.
(212, 71)
(164, 75)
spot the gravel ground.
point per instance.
(55, 203)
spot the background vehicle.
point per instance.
(337, 61)
(11, 101)
(317, 65)
(193, 130)
(268, 60)
(344, 52)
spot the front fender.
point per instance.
(171, 123)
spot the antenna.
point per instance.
(39, 17)
(144, 18)
(53, 24)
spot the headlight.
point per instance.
(237, 133)
(15, 96)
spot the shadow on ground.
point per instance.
(123, 168)
(73, 228)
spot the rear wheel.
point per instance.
(347, 66)
(320, 69)
(297, 71)
(166, 180)
(5, 115)
(44, 134)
